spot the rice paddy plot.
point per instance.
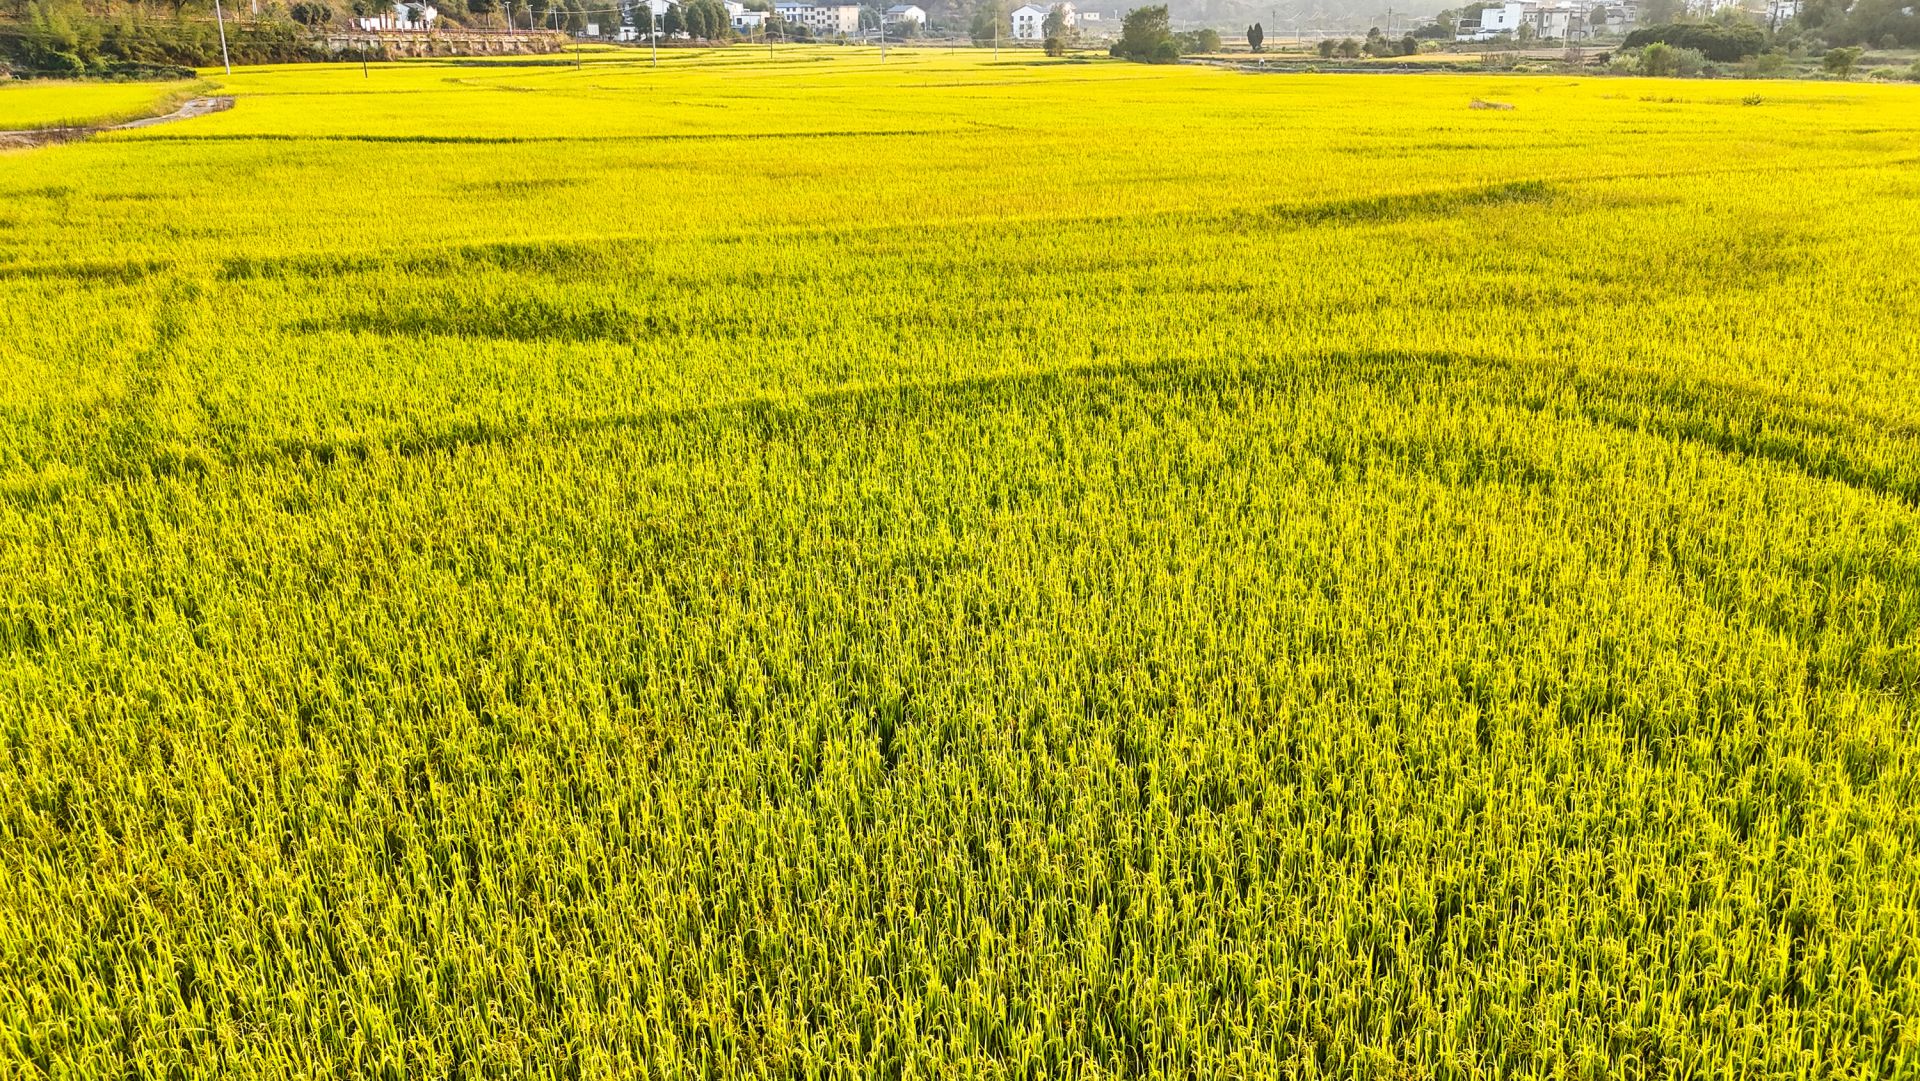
(803, 566)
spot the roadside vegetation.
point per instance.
(797, 567)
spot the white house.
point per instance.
(1030, 21)
(1556, 22)
(1494, 21)
(828, 20)
(744, 19)
(900, 14)
(1552, 21)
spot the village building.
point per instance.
(825, 20)
(1030, 20)
(1550, 21)
(744, 19)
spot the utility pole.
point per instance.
(883, 35)
(653, 31)
(220, 17)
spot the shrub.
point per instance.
(1657, 60)
(1056, 46)
(1688, 63)
(1723, 43)
(1840, 62)
(62, 65)
(1195, 42)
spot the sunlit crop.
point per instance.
(53, 104)
(808, 567)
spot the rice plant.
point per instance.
(809, 567)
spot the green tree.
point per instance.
(311, 13)
(989, 23)
(1655, 12)
(1348, 48)
(1256, 36)
(1327, 47)
(1840, 62)
(1143, 34)
(1409, 45)
(707, 20)
(1880, 22)
(1059, 23)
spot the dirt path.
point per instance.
(15, 140)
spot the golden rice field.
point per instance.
(801, 567)
(34, 105)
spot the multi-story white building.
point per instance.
(1548, 22)
(826, 20)
(1494, 21)
(1030, 20)
(901, 14)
